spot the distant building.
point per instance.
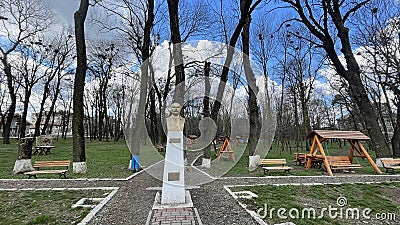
(15, 123)
(58, 122)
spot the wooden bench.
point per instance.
(300, 158)
(391, 164)
(341, 163)
(47, 164)
(264, 163)
(316, 160)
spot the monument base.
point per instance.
(173, 188)
(187, 203)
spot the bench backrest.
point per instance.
(390, 161)
(39, 164)
(300, 155)
(338, 159)
(272, 161)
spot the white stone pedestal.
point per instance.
(23, 165)
(173, 189)
(79, 167)
(254, 162)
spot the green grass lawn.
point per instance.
(104, 159)
(44, 207)
(111, 160)
(382, 199)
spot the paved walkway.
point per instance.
(133, 202)
(173, 216)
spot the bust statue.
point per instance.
(175, 122)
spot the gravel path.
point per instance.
(132, 203)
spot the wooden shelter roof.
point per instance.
(339, 134)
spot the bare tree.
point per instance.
(103, 61)
(135, 29)
(303, 66)
(78, 130)
(58, 53)
(173, 11)
(30, 71)
(246, 9)
(253, 107)
(194, 19)
(21, 20)
(378, 33)
(319, 19)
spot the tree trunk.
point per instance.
(368, 116)
(306, 118)
(206, 107)
(296, 115)
(24, 162)
(177, 51)
(106, 130)
(22, 128)
(253, 110)
(41, 111)
(139, 124)
(78, 132)
(13, 98)
(51, 109)
(396, 135)
(358, 92)
(245, 11)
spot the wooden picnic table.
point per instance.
(43, 149)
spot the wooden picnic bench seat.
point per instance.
(264, 163)
(300, 158)
(341, 163)
(47, 164)
(391, 164)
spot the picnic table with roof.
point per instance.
(356, 150)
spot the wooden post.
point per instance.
(309, 159)
(326, 163)
(361, 154)
(351, 155)
(226, 147)
(369, 158)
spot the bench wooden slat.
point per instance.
(282, 162)
(390, 161)
(44, 164)
(346, 167)
(341, 163)
(46, 171)
(52, 163)
(272, 161)
(391, 164)
(277, 168)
